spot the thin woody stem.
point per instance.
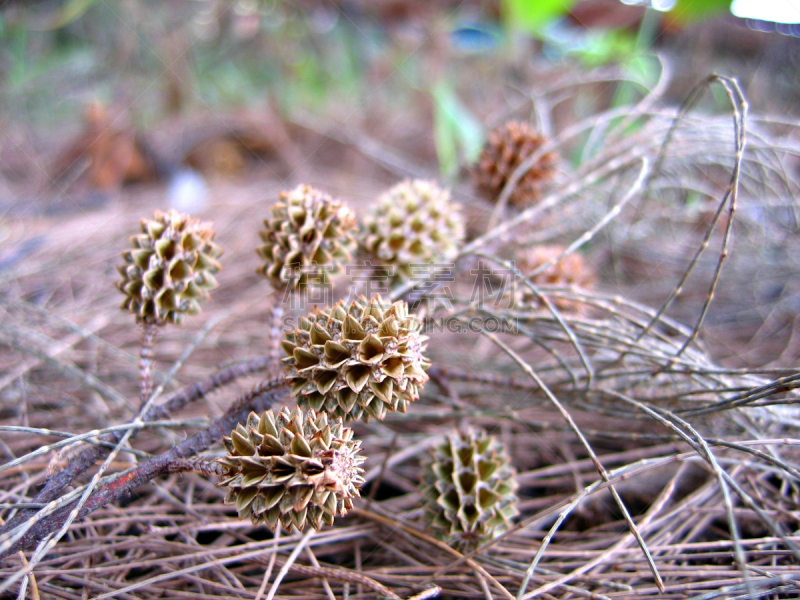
(55, 485)
(146, 359)
(275, 334)
(181, 457)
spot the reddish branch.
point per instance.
(56, 484)
(258, 399)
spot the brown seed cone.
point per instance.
(357, 360)
(505, 149)
(170, 269)
(413, 223)
(570, 271)
(467, 488)
(291, 469)
(306, 240)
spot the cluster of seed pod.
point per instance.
(365, 358)
(356, 360)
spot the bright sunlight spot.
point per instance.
(777, 11)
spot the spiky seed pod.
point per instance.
(292, 469)
(308, 237)
(357, 360)
(570, 271)
(170, 268)
(505, 149)
(414, 222)
(468, 490)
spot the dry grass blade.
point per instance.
(656, 452)
(601, 470)
(433, 542)
(739, 108)
(50, 543)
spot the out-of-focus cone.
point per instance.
(507, 147)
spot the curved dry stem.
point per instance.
(57, 517)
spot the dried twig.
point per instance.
(258, 399)
(86, 459)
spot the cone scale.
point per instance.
(291, 469)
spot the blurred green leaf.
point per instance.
(16, 44)
(605, 46)
(686, 11)
(532, 15)
(457, 133)
(644, 69)
(445, 147)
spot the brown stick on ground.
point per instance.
(56, 484)
(258, 399)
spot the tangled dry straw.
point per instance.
(644, 468)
